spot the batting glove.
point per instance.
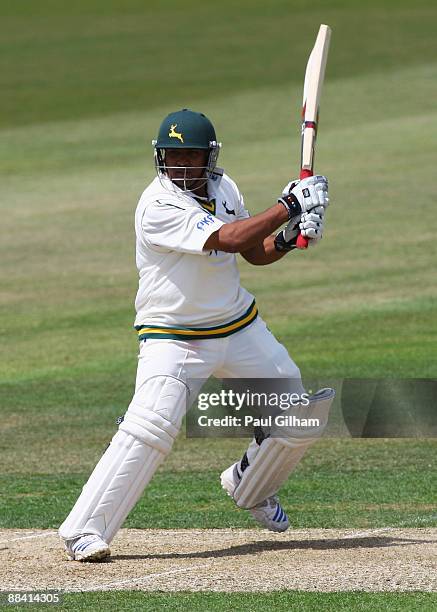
(312, 224)
(304, 196)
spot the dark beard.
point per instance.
(195, 185)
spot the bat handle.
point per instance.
(302, 242)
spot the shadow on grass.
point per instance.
(266, 545)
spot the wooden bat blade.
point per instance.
(312, 89)
(314, 75)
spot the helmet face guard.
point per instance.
(186, 129)
(162, 168)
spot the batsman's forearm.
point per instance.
(264, 253)
(240, 236)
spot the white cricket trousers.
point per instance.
(169, 376)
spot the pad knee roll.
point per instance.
(156, 411)
(145, 437)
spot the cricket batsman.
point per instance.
(194, 320)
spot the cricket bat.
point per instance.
(314, 75)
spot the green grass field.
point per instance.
(84, 88)
(282, 601)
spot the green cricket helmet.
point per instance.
(186, 129)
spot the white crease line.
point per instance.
(30, 537)
(369, 532)
(99, 587)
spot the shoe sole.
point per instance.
(271, 528)
(96, 555)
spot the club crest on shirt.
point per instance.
(228, 210)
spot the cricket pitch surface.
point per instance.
(228, 560)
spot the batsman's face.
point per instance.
(186, 165)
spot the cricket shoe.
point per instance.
(86, 548)
(269, 513)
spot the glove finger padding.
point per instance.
(311, 220)
(311, 192)
(318, 210)
(311, 226)
(322, 194)
(313, 234)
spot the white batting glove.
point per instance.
(306, 202)
(304, 196)
(291, 230)
(312, 224)
(290, 186)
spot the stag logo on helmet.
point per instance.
(186, 129)
(174, 134)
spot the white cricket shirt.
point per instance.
(181, 286)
